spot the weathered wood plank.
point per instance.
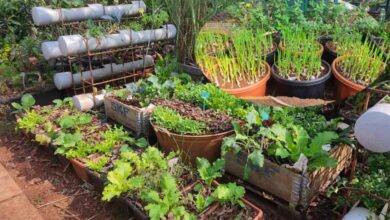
(131, 117)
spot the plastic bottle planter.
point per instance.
(45, 16)
(88, 101)
(64, 80)
(134, 118)
(301, 89)
(51, 50)
(344, 87)
(76, 44)
(191, 147)
(298, 189)
(70, 45)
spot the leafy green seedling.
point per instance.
(27, 102)
(209, 172)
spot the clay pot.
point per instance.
(318, 53)
(80, 169)
(191, 147)
(344, 87)
(257, 89)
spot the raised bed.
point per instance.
(131, 117)
(298, 189)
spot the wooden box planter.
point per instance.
(298, 189)
(131, 117)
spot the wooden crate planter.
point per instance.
(131, 117)
(298, 189)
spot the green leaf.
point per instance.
(152, 197)
(84, 119)
(323, 161)
(141, 143)
(320, 140)
(253, 118)
(237, 127)
(282, 152)
(67, 122)
(28, 101)
(256, 158)
(17, 106)
(209, 172)
(280, 132)
(156, 211)
(42, 139)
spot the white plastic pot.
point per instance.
(372, 129)
(360, 213)
(64, 80)
(84, 102)
(51, 50)
(45, 16)
(76, 44)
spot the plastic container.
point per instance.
(301, 89)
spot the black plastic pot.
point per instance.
(133, 210)
(96, 180)
(270, 57)
(301, 89)
(194, 71)
(376, 41)
(329, 55)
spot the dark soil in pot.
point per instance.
(302, 89)
(217, 122)
(231, 212)
(131, 102)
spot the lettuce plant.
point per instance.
(173, 121)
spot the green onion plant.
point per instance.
(233, 59)
(363, 65)
(297, 39)
(299, 60)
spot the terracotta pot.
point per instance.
(80, 169)
(258, 89)
(191, 147)
(344, 87)
(318, 53)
